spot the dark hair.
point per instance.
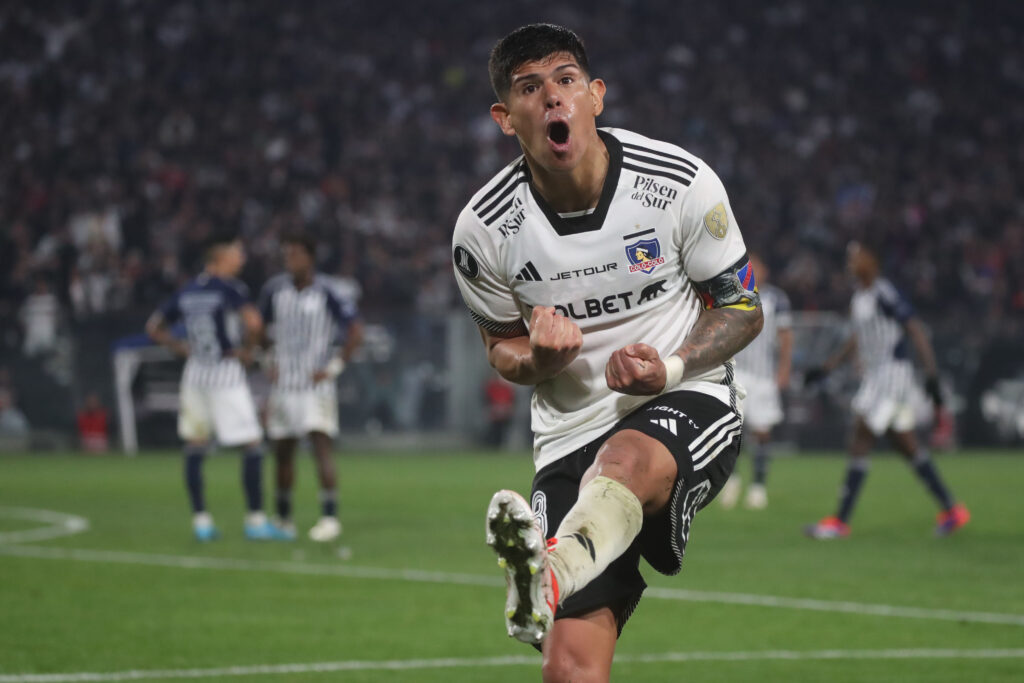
(216, 242)
(528, 44)
(301, 239)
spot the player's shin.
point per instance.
(252, 478)
(194, 477)
(600, 527)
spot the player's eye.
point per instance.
(566, 80)
(529, 88)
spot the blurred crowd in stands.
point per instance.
(132, 129)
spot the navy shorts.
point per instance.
(703, 435)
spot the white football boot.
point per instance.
(757, 497)
(730, 493)
(326, 529)
(522, 552)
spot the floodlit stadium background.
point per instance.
(132, 129)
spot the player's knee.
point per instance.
(642, 464)
(563, 666)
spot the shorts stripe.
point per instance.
(711, 430)
(728, 440)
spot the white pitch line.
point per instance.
(418, 576)
(517, 660)
(57, 524)
(834, 606)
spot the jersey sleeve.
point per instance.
(709, 238)
(894, 304)
(342, 310)
(170, 310)
(485, 292)
(236, 293)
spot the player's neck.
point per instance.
(302, 280)
(578, 189)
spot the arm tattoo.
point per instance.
(717, 336)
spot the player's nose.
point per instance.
(552, 98)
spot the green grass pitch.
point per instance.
(134, 592)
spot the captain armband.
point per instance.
(732, 288)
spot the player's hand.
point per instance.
(636, 370)
(179, 347)
(555, 341)
(782, 380)
(244, 356)
(934, 390)
(320, 375)
(272, 374)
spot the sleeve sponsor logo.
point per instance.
(717, 221)
(465, 262)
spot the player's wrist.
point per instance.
(674, 368)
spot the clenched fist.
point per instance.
(555, 341)
(636, 370)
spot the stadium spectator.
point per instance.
(14, 427)
(39, 317)
(501, 408)
(93, 436)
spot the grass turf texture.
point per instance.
(426, 512)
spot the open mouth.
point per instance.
(558, 132)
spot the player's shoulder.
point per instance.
(666, 160)
(494, 199)
(276, 283)
(233, 286)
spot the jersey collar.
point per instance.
(594, 220)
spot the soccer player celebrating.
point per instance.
(763, 370)
(305, 316)
(607, 270)
(215, 401)
(882, 321)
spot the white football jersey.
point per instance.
(760, 358)
(622, 272)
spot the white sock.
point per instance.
(202, 519)
(601, 526)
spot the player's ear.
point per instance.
(597, 89)
(499, 112)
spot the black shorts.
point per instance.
(703, 434)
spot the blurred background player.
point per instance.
(763, 370)
(882, 322)
(306, 318)
(215, 401)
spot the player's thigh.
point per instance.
(234, 416)
(762, 407)
(284, 414)
(195, 418)
(703, 434)
(639, 461)
(321, 411)
(581, 648)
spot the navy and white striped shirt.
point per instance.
(878, 313)
(306, 324)
(208, 306)
(760, 358)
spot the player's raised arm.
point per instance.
(550, 345)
